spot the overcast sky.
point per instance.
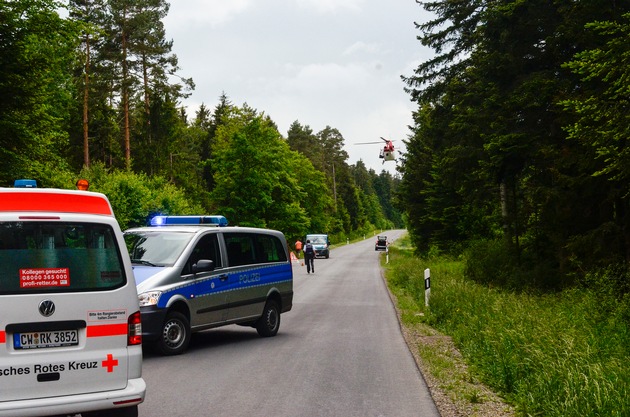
(321, 62)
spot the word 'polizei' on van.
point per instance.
(70, 331)
(195, 273)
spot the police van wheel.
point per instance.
(269, 323)
(175, 334)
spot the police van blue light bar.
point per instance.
(189, 220)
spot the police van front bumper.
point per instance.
(152, 321)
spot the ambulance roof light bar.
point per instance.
(216, 220)
(25, 184)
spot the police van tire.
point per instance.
(175, 335)
(269, 323)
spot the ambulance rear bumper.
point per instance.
(132, 395)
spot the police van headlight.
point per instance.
(150, 298)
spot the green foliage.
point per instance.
(602, 128)
(302, 139)
(489, 158)
(260, 182)
(385, 188)
(554, 355)
(135, 197)
(36, 51)
(495, 263)
(491, 263)
(316, 202)
(603, 119)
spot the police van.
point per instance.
(70, 330)
(195, 273)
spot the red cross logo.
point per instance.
(110, 363)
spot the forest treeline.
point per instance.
(91, 88)
(519, 151)
(517, 158)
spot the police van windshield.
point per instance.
(156, 248)
(58, 257)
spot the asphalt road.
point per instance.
(339, 352)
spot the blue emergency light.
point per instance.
(25, 184)
(189, 220)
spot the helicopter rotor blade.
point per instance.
(367, 143)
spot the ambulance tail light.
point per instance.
(134, 332)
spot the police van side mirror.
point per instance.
(203, 265)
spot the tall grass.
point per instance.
(564, 355)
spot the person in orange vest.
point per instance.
(298, 248)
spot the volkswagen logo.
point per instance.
(46, 308)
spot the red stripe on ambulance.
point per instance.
(3, 336)
(55, 202)
(119, 329)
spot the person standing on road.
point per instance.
(309, 256)
(298, 248)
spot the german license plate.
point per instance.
(42, 340)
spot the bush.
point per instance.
(490, 262)
(136, 197)
(497, 263)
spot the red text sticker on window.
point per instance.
(44, 277)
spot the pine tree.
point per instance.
(36, 47)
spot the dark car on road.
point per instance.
(381, 243)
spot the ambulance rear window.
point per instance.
(44, 257)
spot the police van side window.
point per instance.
(58, 257)
(207, 248)
(270, 249)
(246, 249)
(240, 249)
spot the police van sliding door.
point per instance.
(258, 265)
(208, 306)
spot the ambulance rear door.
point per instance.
(65, 309)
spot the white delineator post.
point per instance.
(427, 286)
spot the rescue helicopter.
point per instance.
(388, 152)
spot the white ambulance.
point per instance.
(70, 330)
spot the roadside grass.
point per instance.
(564, 354)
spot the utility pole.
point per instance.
(334, 186)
